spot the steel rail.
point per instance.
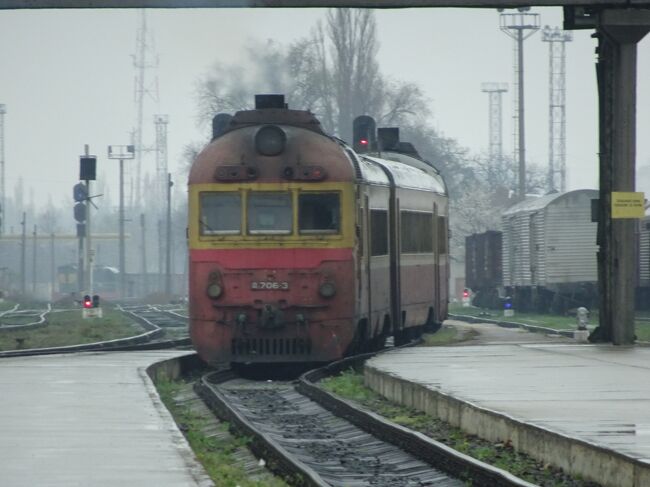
(431, 452)
(142, 341)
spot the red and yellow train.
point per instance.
(304, 250)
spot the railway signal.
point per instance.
(91, 308)
(364, 133)
(79, 192)
(466, 298)
(80, 195)
(87, 168)
(80, 212)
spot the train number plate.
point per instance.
(264, 285)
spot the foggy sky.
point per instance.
(68, 79)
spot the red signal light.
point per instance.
(466, 293)
(88, 303)
(363, 142)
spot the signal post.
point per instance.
(81, 193)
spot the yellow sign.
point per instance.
(627, 205)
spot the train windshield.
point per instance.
(319, 213)
(270, 213)
(220, 213)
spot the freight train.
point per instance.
(545, 257)
(305, 249)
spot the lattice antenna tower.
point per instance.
(495, 120)
(557, 40)
(145, 60)
(520, 26)
(3, 187)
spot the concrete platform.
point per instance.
(585, 408)
(91, 419)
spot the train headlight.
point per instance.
(270, 140)
(327, 289)
(214, 290)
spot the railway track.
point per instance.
(317, 439)
(16, 318)
(165, 327)
(169, 321)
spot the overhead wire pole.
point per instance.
(23, 257)
(161, 181)
(52, 266)
(143, 260)
(557, 39)
(34, 261)
(122, 153)
(3, 187)
(168, 253)
(520, 26)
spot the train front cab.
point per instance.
(273, 281)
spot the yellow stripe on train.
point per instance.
(202, 238)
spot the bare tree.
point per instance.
(333, 72)
(355, 71)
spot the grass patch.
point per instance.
(349, 385)
(5, 305)
(447, 335)
(556, 322)
(643, 331)
(69, 328)
(215, 452)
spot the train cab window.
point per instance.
(416, 232)
(378, 232)
(220, 213)
(319, 213)
(270, 213)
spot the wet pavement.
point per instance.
(597, 393)
(91, 419)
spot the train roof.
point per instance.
(280, 116)
(536, 203)
(415, 175)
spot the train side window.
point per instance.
(319, 213)
(220, 213)
(378, 232)
(270, 213)
(416, 232)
